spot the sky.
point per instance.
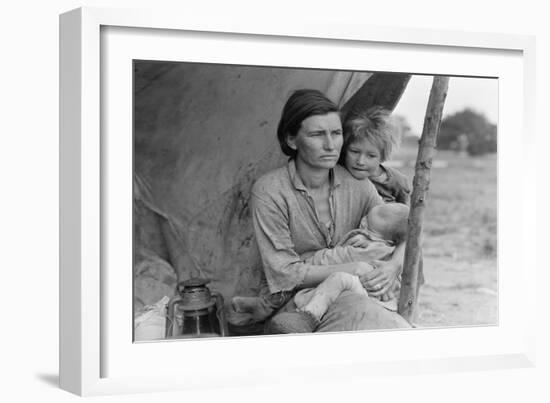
(479, 94)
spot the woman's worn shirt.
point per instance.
(286, 223)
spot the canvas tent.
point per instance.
(202, 135)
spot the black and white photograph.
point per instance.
(275, 201)
(271, 200)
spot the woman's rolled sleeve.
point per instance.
(283, 267)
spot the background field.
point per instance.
(460, 238)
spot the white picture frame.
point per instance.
(96, 357)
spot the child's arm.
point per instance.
(403, 196)
(358, 238)
(401, 187)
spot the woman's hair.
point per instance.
(301, 105)
(374, 125)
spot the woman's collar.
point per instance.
(296, 180)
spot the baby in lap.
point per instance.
(384, 227)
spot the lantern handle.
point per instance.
(220, 313)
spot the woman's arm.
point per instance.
(380, 272)
(283, 267)
(316, 274)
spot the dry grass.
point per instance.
(460, 240)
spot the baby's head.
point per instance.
(389, 221)
(369, 139)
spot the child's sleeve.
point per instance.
(403, 196)
(402, 188)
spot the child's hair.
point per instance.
(376, 126)
(389, 220)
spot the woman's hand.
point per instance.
(361, 269)
(379, 281)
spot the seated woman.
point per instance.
(311, 204)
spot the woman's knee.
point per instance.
(358, 312)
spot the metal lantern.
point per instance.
(195, 311)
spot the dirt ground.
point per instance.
(460, 240)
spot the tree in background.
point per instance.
(468, 131)
(401, 125)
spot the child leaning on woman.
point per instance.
(369, 139)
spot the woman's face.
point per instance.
(319, 141)
(362, 159)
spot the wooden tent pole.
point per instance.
(421, 182)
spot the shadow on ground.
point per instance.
(50, 379)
